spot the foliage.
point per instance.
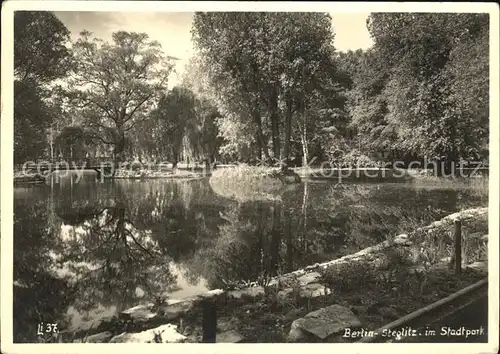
(262, 88)
(239, 138)
(117, 85)
(40, 56)
(31, 117)
(260, 75)
(437, 243)
(73, 140)
(416, 99)
(348, 277)
(174, 114)
(353, 158)
(396, 277)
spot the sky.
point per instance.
(172, 30)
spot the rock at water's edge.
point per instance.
(314, 290)
(324, 323)
(308, 278)
(229, 337)
(166, 333)
(250, 292)
(140, 313)
(175, 310)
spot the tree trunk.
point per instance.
(275, 240)
(289, 239)
(260, 244)
(51, 149)
(175, 162)
(305, 151)
(275, 125)
(304, 214)
(119, 148)
(208, 163)
(260, 136)
(288, 134)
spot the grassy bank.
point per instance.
(479, 184)
(244, 182)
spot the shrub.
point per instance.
(355, 158)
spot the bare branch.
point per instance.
(138, 244)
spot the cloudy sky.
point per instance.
(172, 30)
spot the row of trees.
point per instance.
(93, 97)
(274, 76)
(423, 88)
(262, 87)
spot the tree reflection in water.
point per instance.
(38, 294)
(75, 255)
(309, 223)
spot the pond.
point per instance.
(87, 250)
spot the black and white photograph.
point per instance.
(246, 172)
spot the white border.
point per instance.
(6, 165)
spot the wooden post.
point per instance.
(458, 246)
(209, 320)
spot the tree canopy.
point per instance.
(116, 85)
(40, 57)
(261, 88)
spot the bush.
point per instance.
(355, 159)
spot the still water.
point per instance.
(87, 250)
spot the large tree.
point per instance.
(303, 60)
(227, 42)
(174, 114)
(116, 85)
(40, 57)
(40, 53)
(204, 133)
(263, 66)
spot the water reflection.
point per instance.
(86, 250)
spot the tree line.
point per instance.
(261, 88)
